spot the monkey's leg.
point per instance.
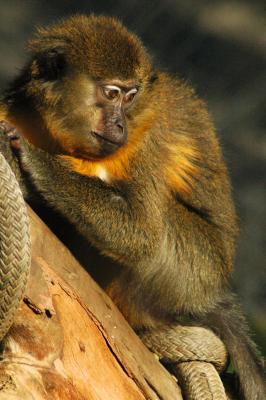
(196, 354)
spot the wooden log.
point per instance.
(69, 341)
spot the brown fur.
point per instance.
(93, 43)
(164, 216)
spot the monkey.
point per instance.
(130, 156)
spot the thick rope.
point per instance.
(195, 355)
(14, 246)
(200, 380)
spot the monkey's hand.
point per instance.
(121, 219)
(9, 147)
(8, 134)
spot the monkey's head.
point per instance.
(86, 78)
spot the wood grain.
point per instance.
(69, 341)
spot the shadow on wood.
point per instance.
(70, 342)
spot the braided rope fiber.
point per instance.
(200, 381)
(14, 246)
(196, 355)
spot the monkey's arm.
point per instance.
(129, 223)
(123, 222)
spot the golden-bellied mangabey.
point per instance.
(132, 160)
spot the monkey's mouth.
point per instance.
(102, 138)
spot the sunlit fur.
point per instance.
(159, 207)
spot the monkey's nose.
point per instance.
(119, 124)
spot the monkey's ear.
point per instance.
(153, 77)
(49, 64)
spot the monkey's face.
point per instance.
(88, 118)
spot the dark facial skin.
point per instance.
(98, 127)
(113, 100)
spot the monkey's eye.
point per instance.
(111, 92)
(129, 97)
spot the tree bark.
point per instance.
(70, 342)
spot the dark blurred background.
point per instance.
(220, 47)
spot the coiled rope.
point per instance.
(14, 246)
(196, 356)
